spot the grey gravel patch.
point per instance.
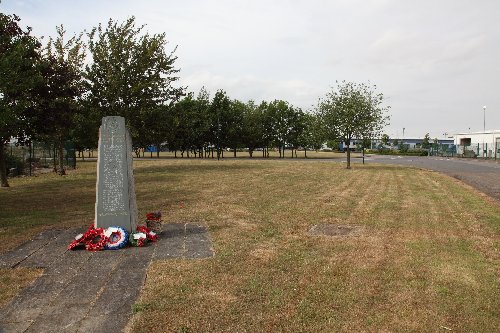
(335, 230)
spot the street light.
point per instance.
(484, 118)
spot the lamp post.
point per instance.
(484, 118)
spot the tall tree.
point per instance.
(234, 121)
(130, 73)
(252, 131)
(384, 139)
(282, 116)
(58, 100)
(353, 110)
(313, 136)
(220, 110)
(19, 76)
(426, 142)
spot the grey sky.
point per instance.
(436, 61)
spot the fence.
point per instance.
(25, 159)
(474, 150)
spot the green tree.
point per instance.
(130, 74)
(426, 142)
(314, 135)
(281, 117)
(234, 121)
(252, 131)
(220, 110)
(58, 99)
(353, 110)
(19, 76)
(384, 139)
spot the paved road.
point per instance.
(480, 174)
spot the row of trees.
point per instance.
(200, 125)
(61, 91)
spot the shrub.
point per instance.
(413, 152)
(14, 162)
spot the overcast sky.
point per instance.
(437, 62)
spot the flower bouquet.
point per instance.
(153, 221)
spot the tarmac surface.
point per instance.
(82, 291)
(484, 175)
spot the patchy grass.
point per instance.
(426, 259)
(12, 281)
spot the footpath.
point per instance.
(82, 291)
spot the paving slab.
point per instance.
(83, 291)
(184, 240)
(24, 251)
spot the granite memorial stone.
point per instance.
(115, 193)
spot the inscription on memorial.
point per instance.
(115, 197)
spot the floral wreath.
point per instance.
(138, 239)
(93, 239)
(117, 238)
(150, 235)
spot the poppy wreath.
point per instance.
(97, 240)
(138, 239)
(117, 238)
(150, 235)
(91, 239)
(78, 241)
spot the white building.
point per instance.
(479, 144)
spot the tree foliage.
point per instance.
(426, 142)
(19, 77)
(58, 99)
(353, 111)
(130, 74)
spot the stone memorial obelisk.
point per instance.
(115, 193)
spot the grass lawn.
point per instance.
(426, 259)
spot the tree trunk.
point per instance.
(3, 167)
(30, 160)
(348, 143)
(234, 151)
(61, 172)
(250, 152)
(175, 153)
(305, 152)
(157, 151)
(54, 159)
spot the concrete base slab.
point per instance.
(83, 291)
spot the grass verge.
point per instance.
(426, 259)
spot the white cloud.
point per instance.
(436, 61)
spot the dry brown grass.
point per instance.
(427, 256)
